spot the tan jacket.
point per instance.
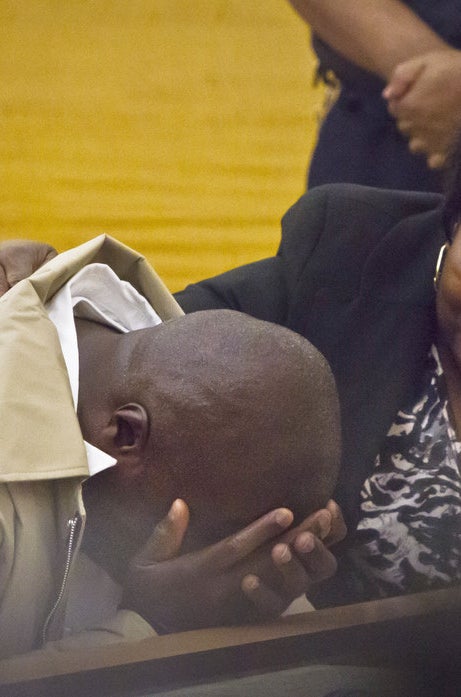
(43, 459)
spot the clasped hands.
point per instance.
(252, 575)
(424, 96)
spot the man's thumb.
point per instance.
(167, 537)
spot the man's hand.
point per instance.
(254, 574)
(424, 96)
(302, 560)
(20, 258)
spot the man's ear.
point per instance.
(127, 434)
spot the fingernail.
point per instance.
(250, 582)
(324, 521)
(284, 554)
(305, 542)
(283, 517)
(175, 509)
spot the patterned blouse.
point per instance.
(409, 536)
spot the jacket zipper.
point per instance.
(72, 525)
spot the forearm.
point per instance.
(374, 35)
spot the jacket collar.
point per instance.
(41, 437)
(40, 434)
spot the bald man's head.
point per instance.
(241, 417)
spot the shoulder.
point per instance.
(349, 221)
(334, 206)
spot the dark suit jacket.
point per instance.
(353, 274)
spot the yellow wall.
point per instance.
(181, 127)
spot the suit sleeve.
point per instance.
(326, 238)
(258, 289)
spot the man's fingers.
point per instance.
(238, 546)
(327, 524)
(296, 569)
(166, 539)
(266, 602)
(338, 529)
(316, 559)
(319, 523)
(294, 579)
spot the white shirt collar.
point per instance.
(96, 293)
